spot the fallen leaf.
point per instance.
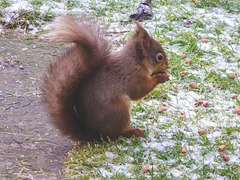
(162, 108)
(182, 74)
(193, 85)
(202, 131)
(232, 76)
(213, 70)
(226, 158)
(188, 61)
(234, 96)
(204, 40)
(206, 104)
(221, 148)
(144, 169)
(175, 85)
(184, 150)
(198, 103)
(237, 109)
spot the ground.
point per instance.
(201, 40)
(31, 148)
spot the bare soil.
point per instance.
(30, 147)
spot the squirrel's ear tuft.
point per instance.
(143, 36)
(140, 30)
(138, 24)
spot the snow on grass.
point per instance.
(168, 132)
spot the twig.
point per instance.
(115, 32)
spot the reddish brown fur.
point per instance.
(88, 90)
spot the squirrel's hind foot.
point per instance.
(133, 132)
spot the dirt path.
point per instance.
(30, 147)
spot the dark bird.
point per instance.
(143, 12)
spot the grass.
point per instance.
(159, 150)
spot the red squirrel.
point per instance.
(87, 91)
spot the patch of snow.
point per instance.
(18, 5)
(109, 155)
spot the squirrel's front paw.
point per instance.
(161, 78)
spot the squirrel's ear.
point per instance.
(140, 31)
(144, 39)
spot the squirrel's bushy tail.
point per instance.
(60, 86)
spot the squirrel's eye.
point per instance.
(159, 56)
